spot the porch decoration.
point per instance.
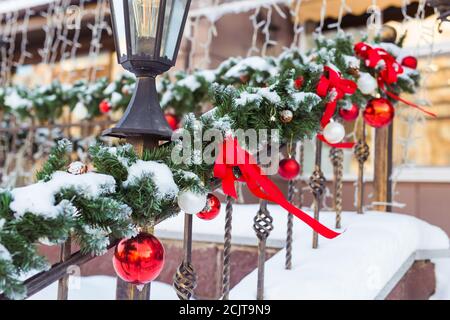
(288, 168)
(129, 189)
(140, 259)
(379, 113)
(212, 208)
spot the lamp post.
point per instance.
(147, 36)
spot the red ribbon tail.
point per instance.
(340, 145)
(263, 188)
(272, 193)
(409, 103)
(330, 108)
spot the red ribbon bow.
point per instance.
(389, 72)
(232, 155)
(331, 80)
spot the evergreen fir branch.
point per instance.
(109, 163)
(57, 160)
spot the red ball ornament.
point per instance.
(212, 208)
(379, 113)
(172, 120)
(140, 259)
(410, 62)
(288, 169)
(105, 106)
(349, 114)
(298, 82)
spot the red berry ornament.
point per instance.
(379, 113)
(172, 120)
(288, 169)
(140, 259)
(298, 82)
(105, 106)
(410, 62)
(212, 208)
(349, 114)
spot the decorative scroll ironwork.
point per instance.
(362, 153)
(263, 225)
(317, 185)
(185, 279)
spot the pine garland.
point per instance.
(247, 93)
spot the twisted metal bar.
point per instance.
(337, 159)
(317, 185)
(227, 249)
(185, 279)
(362, 153)
(290, 225)
(290, 219)
(263, 225)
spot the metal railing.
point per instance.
(185, 278)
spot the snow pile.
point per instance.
(356, 265)
(39, 198)
(4, 253)
(247, 97)
(100, 288)
(15, 101)
(300, 97)
(208, 75)
(272, 96)
(351, 61)
(161, 176)
(373, 247)
(190, 82)
(255, 63)
(442, 270)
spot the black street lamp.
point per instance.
(147, 35)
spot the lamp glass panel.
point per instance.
(144, 25)
(119, 27)
(173, 21)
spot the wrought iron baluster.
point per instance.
(185, 279)
(262, 226)
(317, 184)
(362, 153)
(290, 219)
(337, 159)
(227, 249)
(290, 225)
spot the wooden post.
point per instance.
(63, 283)
(390, 164)
(381, 177)
(125, 290)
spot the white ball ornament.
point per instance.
(80, 111)
(334, 132)
(191, 202)
(366, 83)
